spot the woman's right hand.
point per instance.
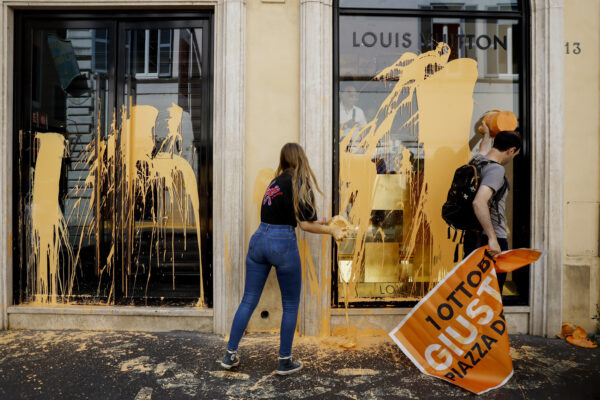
(338, 227)
(339, 233)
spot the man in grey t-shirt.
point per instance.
(492, 176)
(490, 201)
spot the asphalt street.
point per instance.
(183, 365)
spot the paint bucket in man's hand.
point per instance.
(498, 121)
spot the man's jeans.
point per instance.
(474, 240)
(271, 245)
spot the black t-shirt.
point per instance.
(278, 204)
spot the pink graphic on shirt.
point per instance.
(271, 193)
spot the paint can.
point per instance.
(498, 121)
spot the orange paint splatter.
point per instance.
(49, 232)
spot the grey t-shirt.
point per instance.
(492, 175)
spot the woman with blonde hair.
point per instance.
(288, 201)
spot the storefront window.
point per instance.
(114, 151)
(411, 92)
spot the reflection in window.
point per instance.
(100, 50)
(151, 51)
(164, 54)
(502, 63)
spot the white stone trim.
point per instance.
(228, 140)
(547, 164)
(316, 51)
(386, 319)
(229, 160)
(113, 310)
(6, 167)
(151, 319)
(405, 310)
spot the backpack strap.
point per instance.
(479, 164)
(498, 195)
(460, 241)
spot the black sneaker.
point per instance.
(230, 360)
(287, 366)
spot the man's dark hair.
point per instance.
(506, 139)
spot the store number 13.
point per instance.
(572, 48)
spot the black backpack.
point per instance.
(458, 211)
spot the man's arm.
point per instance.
(486, 143)
(482, 212)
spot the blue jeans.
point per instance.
(271, 245)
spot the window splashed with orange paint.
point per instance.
(432, 98)
(129, 167)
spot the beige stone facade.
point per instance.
(273, 64)
(581, 273)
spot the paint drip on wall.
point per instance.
(432, 100)
(150, 189)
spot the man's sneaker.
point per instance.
(230, 360)
(287, 366)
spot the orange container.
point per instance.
(499, 121)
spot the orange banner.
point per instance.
(514, 259)
(457, 332)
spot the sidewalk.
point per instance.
(183, 365)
